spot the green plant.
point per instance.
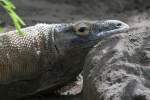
(10, 8)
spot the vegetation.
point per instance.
(10, 8)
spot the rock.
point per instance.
(73, 88)
(118, 68)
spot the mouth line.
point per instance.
(111, 32)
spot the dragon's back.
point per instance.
(20, 55)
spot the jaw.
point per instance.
(111, 32)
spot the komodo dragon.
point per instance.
(49, 55)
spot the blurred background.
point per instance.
(133, 12)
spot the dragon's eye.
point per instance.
(82, 29)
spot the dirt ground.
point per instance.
(134, 12)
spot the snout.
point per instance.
(110, 27)
(119, 25)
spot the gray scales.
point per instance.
(49, 55)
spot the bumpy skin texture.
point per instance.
(49, 55)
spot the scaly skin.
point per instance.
(49, 55)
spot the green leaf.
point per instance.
(10, 8)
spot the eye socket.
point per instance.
(82, 29)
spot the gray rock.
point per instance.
(118, 68)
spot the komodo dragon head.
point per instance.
(84, 34)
